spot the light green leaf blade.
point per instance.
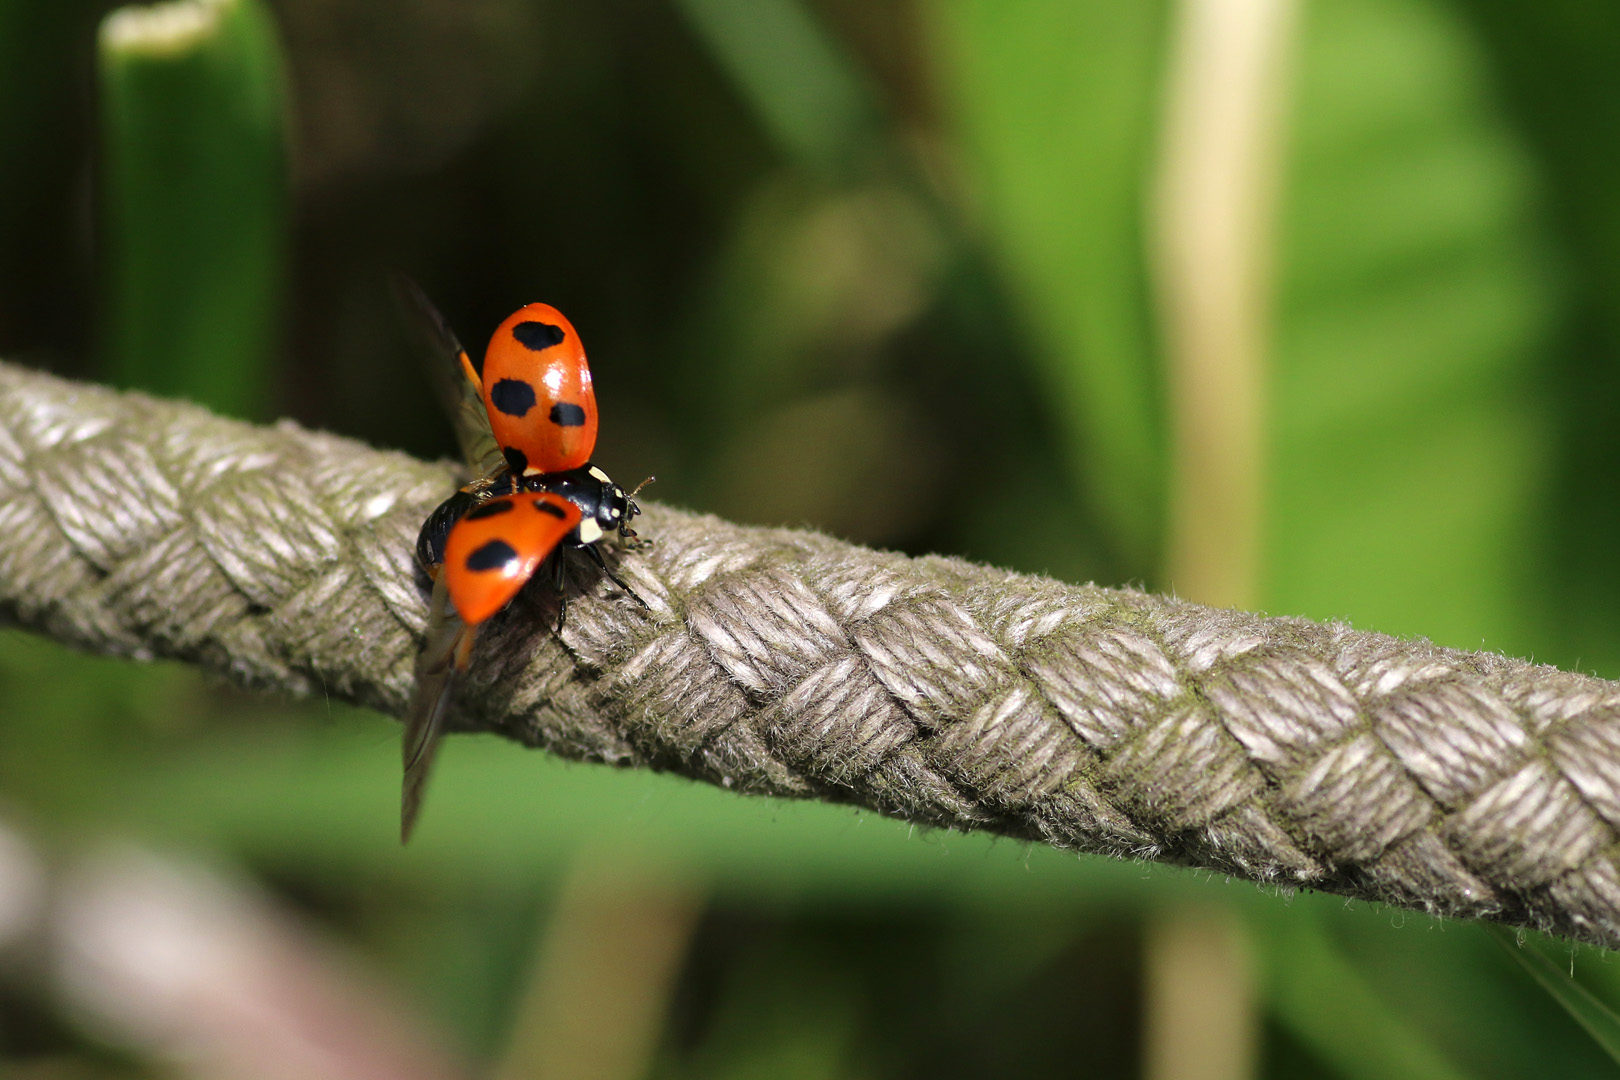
(1053, 108)
(1409, 440)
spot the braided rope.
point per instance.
(787, 663)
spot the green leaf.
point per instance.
(799, 83)
(1587, 1011)
(194, 194)
(1328, 1006)
(1409, 437)
(1053, 106)
(1556, 61)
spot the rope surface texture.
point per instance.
(786, 663)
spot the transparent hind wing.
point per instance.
(444, 653)
(455, 379)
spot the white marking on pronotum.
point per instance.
(589, 531)
(599, 474)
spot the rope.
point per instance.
(786, 663)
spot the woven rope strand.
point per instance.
(786, 663)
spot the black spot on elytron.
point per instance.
(492, 556)
(538, 335)
(514, 397)
(493, 508)
(566, 414)
(516, 460)
(549, 508)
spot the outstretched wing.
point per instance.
(491, 553)
(445, 649)
(496, 547)
(455, 378)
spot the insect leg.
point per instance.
(561, 583)
(596, 557)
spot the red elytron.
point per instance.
(537, 392)
(495, 548)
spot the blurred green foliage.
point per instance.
(1411, 428)
(878, 268)
(1587, 1008)
(1055, 105)
(194, 222)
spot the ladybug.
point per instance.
(526, 421)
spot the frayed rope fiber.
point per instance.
(786, 663)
